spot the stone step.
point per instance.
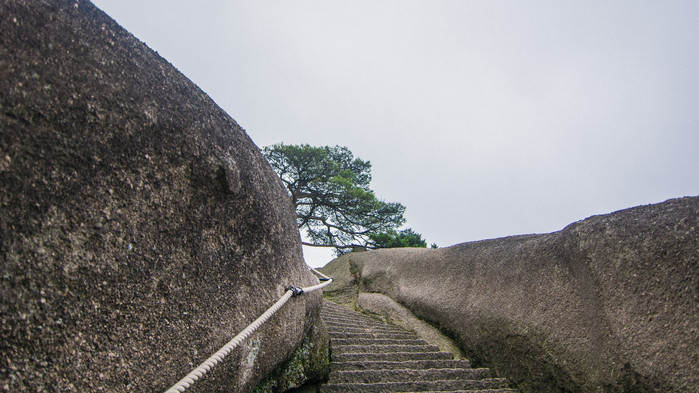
(360, 325)
(395, 336)
(434, 374)
(361, 330)
(389, 357)
(418, 386)
(377, 341)
(342, 349)
(408, 364)
(351, 314)
(350, 319)
(470, 391)
(343, 313)
(355, 321)
(368, 355)
(364, 330)
(346, 314)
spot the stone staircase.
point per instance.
(368, 355)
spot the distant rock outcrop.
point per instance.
(608, 304)
(140, 228)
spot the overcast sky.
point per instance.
(484, 118)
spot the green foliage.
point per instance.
(330, 189)
(404, 238)
(310, 362)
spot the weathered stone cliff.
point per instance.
(608, 304)
(140, 228)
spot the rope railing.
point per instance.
(217, 357)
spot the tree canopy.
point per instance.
(403, 238)
(329, 188)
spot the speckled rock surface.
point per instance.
(608, 304)
(343, 290)
(140, 228)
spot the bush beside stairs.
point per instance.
(368, 355)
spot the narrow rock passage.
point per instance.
(368, 355)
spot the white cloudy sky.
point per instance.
(484, 118)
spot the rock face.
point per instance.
(608, 304)
(140, 228)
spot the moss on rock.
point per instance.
(309, 363)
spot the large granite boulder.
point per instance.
(140, 228)
(608, 304)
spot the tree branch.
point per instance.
(344, 247)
